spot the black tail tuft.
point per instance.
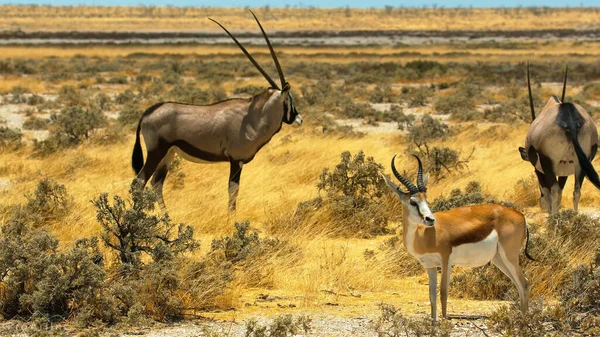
(585, 163)
(137, 157)
(527, 245)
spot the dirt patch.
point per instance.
(296, 38)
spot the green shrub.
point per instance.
(429, 129)
(39, 280)
(575, 229)
(129, 115)
(49, 201)
(392, 323)
(354, 192)
(581, 295)
(461, 104)
(74, 125)
(69, 96)
(17, 95)
(10, 138)
(249, 89)
(190, 94)
(510, 321)
(36, 124)
(382, 94)
(131, 231)
(472, 195)
(416, 96)
(282, 326)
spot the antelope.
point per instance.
(561, 141)
(231, 131)
(469, 236)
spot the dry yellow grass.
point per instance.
(83, 18)
(581, 51)
(282, 175)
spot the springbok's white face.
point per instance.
(415, 200)
(418, 206)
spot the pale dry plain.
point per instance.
(332, 280)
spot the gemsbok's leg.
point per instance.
(159, 176)
(432, 273)
(549, 184)
(562, 180)
(235, 171)
(579, 177)
(444, 284)
(155, 156)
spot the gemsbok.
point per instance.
(561, 141)
(231, 131)
(469, 236)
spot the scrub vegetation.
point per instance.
(316, 231)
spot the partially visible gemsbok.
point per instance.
(561, 141)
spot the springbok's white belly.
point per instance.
(475, 254)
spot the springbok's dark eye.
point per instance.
(413, 203)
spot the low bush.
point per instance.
(427, 130)
(354, 195)
(282, 326)
(36, 124)
(39, 280)
(10, 139)
(461, 104)
(132, 232)
(392, 323)
(130, 114)
(74, 125)
(416, 97)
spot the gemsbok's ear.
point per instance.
(524, 154)
(286, 88)
(403, 195)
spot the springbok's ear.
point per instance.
(425, 179)
(394, 187)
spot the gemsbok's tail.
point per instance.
(572, 130)
(137, 157)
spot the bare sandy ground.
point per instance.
(296, 38)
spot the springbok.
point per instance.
(561, 141)
(469, 236)
(228, 131)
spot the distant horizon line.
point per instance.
(423, 6)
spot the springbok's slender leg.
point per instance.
(444, 284)
(159, 176)
(235, 171)
(511, 262)
(432, 273)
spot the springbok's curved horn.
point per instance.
(420, 183)
(277, 65)
(562, 99)
(530, 95)
(412, 189)
(265, 75)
